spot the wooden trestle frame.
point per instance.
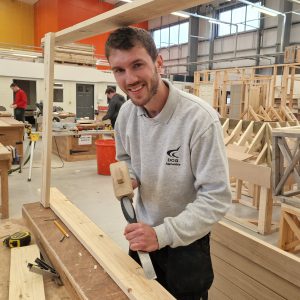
(249, 151)
(289, 233)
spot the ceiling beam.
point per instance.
(125, 15)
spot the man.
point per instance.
(20, 102)
(115, 102)
(173, 144)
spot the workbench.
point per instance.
(5, 163)
(77, 146)
(71, 260)
(12, 133)
(52, 291)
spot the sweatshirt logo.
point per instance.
(173, 158)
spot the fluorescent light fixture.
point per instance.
(180, 14)
(128, 1)
(102, 62)
(215, 22)
(263, 9)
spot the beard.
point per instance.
(153, 88)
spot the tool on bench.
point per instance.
(43, 268)
(124, 192)
(62, 230)
(18, 239)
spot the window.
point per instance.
(58, 92)
(246, 18)
(171, 35)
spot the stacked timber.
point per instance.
(76, 53)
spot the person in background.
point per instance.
(115, 102)
(20, 102)
(173, 145)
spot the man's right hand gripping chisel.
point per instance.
(124, 192)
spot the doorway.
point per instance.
(29, 87)
(85, 101)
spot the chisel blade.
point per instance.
(147, 264)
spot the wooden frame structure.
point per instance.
(286, 164)
(249, 152)
(289, 234)
(255, 91)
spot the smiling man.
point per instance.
(172, 143)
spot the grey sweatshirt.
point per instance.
(179, 159)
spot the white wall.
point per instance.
(67, 75)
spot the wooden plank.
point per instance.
(258, 272)
(254, 174)
(243, 222)
(81, 274)
(248, 284)
(277, 261)
(247, 135)
(124, 15)
(257, 139)
(225, 127)
(265, 211)
(122, 268)
(24, 284)
(234, 134)
(216, 294)
(237, 155)
(47, 118)
(230, 289)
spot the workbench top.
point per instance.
(10, 122)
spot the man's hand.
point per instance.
(141, 237)
(13, 106)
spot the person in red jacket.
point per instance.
(20, 102)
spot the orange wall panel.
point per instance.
(45, 19)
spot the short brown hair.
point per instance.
(13, 85)
(125, 38)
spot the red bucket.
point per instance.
(106, 153)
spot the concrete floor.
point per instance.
(93, 194)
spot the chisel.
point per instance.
(124, 192)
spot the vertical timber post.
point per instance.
(47, 117)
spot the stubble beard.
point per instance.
(154, 83)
